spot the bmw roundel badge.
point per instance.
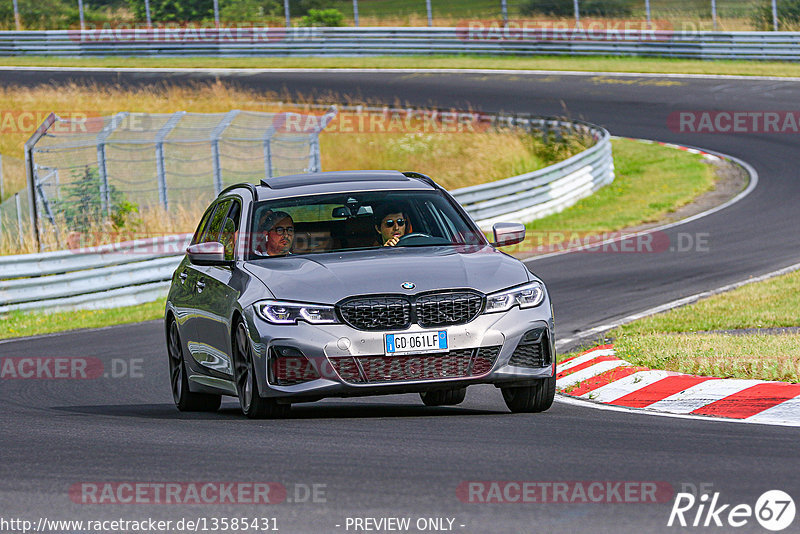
(408, 285)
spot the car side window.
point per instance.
(230, 230)
(214, 228)
(203, 223)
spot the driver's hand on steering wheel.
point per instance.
(393, 241)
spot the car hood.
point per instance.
(330, 277)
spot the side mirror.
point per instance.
(211, 253)
(506, 234)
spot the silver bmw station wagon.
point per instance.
(344, 284)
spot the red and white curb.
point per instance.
(599, 375)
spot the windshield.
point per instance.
(355, 221)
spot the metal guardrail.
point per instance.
(139, 271)
(533, 195)
(366, 41)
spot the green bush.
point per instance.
(250, 10)
(323, 17)
(55, 14)
(82, 206)
(788, 15)
(174, 10)
(303, 7)
(566, 8)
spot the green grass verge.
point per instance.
(585, 64)
(21, 324)
(641, 170)
(679, 340)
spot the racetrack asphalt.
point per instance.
(389, 456)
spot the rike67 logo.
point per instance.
(774, 510)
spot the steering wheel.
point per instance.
(411, 235)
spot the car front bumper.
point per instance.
(325, 347)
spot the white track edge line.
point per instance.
(753, 182)
(677, 303)
(642, 411)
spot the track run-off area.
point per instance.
(391, 457)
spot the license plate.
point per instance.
(416, 342)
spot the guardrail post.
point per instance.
(161, 174)
(577, 8)
(286, 12)
(647, 10)
(355, 12)
(504, 12)
(215, 136)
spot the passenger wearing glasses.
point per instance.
(278, 231)
(392, 224)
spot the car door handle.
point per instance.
(183, 275)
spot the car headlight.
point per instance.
(526, 296)
(282, 312)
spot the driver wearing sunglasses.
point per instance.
(392, 224)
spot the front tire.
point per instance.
(443, 397)
(253, 405)
(185, 400)
(531, 399)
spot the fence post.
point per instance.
(267, 147)
(19, 219)
(647, 10)
(80, 14)
(504, 11)
(216, 13)
(31, 175)
(286, 12)
(315, 161)
(161, 172)
(215, 136)
(714, 13)
(102, 170)
(430, 12)
(17, 20)
(355, 12)
(774, 15)
(147, 13)
(577, 8)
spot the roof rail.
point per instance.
(419, 176)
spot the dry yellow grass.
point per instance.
(454, 157)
